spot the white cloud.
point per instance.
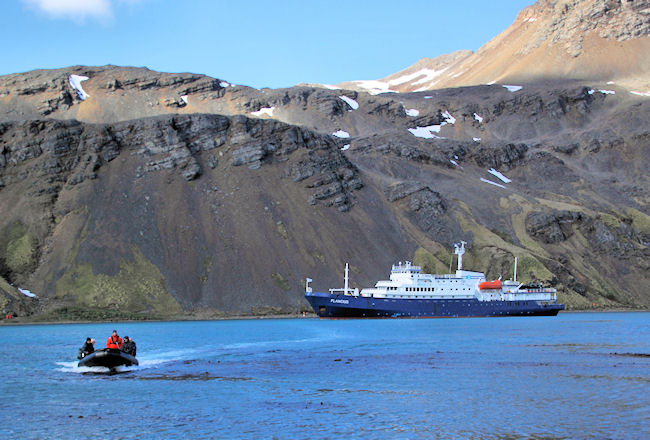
(77, 10)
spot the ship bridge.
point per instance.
(407, 267)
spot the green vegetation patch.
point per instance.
(428, 262)
(572, 300)
(282, 230)
(640, 220)
(530, 268)
(75, 313)
(280, 281)
(6, 287)
(138, 287)
(207, 263)
(19, 248)
(610, 221)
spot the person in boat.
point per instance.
(114, 341)
(129, 346)
(87, 348)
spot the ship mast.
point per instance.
(460, 250)
(345, 289)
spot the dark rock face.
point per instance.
(502, 155)
(426, 208)
(621, 240)
(552, 227)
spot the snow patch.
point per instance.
(184, 98)
(449, 119)
(341, 134)
(491, 82)
(607, 92)
(513, 88)
(610, 82)
(345, 147)
(426, 132)
(492, 183)
(412, 112)
(498, 175)
(641, 93)
(428, 97)
(454, 162)
(478, 118)
(264, 111)
(225, 84)
(27, 293)
(456, 75)
(75, 82)
(591, 92)
(351, 102)
(375, 87)
(426, 74)
(476, 139)
(530, 19)
(331, 87)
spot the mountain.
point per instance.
(593, 40)
(130, 193)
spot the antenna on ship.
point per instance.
(460, 250)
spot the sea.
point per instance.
(573, 376)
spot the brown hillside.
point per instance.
(553, 39)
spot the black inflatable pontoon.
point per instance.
(109, 358)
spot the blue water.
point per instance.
(506, 378)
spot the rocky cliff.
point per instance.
(126, 192)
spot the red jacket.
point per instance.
(112, 343)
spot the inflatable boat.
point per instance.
(109, 358)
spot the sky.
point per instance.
(256, 43)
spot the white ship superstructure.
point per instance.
(408, 282)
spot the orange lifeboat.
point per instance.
(496, 284)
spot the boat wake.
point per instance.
(149, 360)
(159, 358)
(71, 367)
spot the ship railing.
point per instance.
(343, 291)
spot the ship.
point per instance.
(409, 293)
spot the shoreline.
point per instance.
(31, 321)
(19, 321)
